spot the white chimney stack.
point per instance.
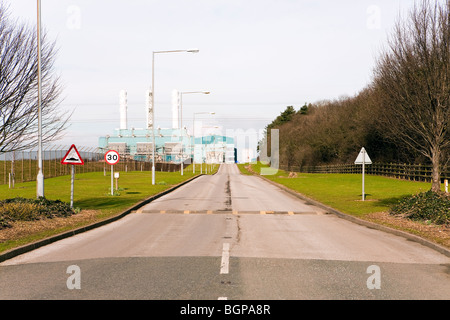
(149, 108)
(123, 110)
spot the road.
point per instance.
(229, 236)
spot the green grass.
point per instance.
(93, 190)
(344, 191)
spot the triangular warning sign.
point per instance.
(72, 157)
(363, 156)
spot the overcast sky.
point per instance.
(256, 56)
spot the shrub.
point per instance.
(21, 209)
(426, 206)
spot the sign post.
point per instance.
(72, 158)
(112, 157)
(363, 158)
(116, 176)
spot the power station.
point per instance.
(172, 145)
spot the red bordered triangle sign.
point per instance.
(72, 157)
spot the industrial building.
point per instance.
(172, 145)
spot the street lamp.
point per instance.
(153, 103)
(40, 175)
(193, 135)
(181, 121)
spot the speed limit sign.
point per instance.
(112, 157)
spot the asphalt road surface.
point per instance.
(229, 236)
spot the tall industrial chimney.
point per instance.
(123, 109)
(149, 108)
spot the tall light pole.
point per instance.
(40, 175)
(181, 121)
(153, 104)
(193, 135)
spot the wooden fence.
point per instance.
(415, 172)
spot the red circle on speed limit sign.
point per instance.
(112, 157)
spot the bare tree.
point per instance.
(19, 88)
(412, 83)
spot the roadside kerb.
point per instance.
(34, 245)
(359, 221)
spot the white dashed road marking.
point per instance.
(224, 265)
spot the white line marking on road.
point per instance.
(224, 265)
(222, 298)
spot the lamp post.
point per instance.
(181, 121)
(153, 103)
(40, 175)
(193, 135)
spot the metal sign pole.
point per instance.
(112, 180)
(363, 171)
(72, 158)
(363, 158)
(72, 178)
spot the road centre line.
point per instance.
(224, 265)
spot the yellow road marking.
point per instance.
(290, 213)
(209, 212)
(162, 211)
(186, 211)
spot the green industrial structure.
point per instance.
(171, 145)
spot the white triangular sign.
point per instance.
(72, 157)
(363, 156)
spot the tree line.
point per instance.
(401, 116)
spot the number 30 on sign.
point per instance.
(112, 157)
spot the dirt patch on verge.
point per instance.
(22, 229)
(439, 234)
